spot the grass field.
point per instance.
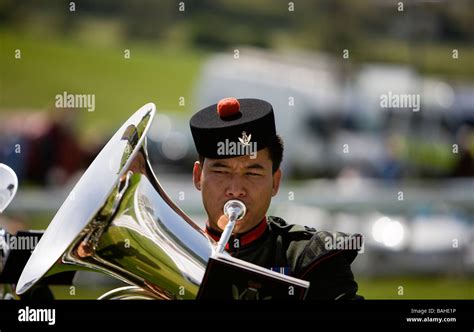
(417, 287)
(50, 66)
(372, 289)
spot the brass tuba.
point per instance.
(119, 221)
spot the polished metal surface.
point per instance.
(118, 220)
(234, 210)
(88, 197)
(126, 293)
(150, 244)
(8, 186)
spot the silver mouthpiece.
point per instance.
(234, 209)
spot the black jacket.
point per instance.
(320, 257)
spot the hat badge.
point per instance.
(245, 140)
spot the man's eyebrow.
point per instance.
(218, 164)
(255, 166)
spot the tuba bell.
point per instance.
(119, 221)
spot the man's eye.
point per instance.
(253, 174)
(219, 172)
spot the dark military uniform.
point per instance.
(300, 252)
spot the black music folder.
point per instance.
(229, 278)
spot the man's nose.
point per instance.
(235, 187)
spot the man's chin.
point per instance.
(239, 227)
(242, 226)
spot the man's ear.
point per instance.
(276, 182)
(197, 175)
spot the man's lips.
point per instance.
(245, 203)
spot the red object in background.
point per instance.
(49, 150)
(55, 149)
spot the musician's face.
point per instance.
(243, 178)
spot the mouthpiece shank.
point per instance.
(234, 210)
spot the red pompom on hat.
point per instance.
(227, 107)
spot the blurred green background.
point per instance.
(82, 51)
(375, 288)
(153, 74)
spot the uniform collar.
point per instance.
(246, 238)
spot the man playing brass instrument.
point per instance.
(239, 158)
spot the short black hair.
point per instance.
(275, 150)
